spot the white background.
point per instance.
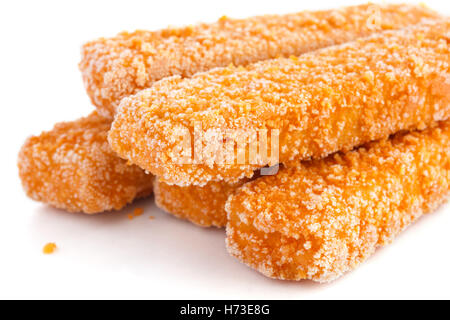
(108, 256)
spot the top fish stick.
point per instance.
(328, 100)
(118, 67)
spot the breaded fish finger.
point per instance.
(117, 67)
(321, 102)
(204, 206)
(72, 167)
(325, 217)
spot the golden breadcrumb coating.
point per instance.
(72, 167)
(321, 102)
(204, 206)
(325, 217)
(114, 68)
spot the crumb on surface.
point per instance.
(49, 248)
(138, 211)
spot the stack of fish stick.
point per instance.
(355, 103)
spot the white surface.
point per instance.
(108, 256)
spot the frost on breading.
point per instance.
(336, 98)
(351, 204)
(114, 68)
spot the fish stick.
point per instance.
(325, 217)
(321, 102)
(113, 68)
(203, 206)
(72, 167)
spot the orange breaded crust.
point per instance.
(325, 217)
(204, 206)
(329, 100)
(72, 167)
(117, 67)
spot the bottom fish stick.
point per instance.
(323, 218)
(204, 206)
(72, 167)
